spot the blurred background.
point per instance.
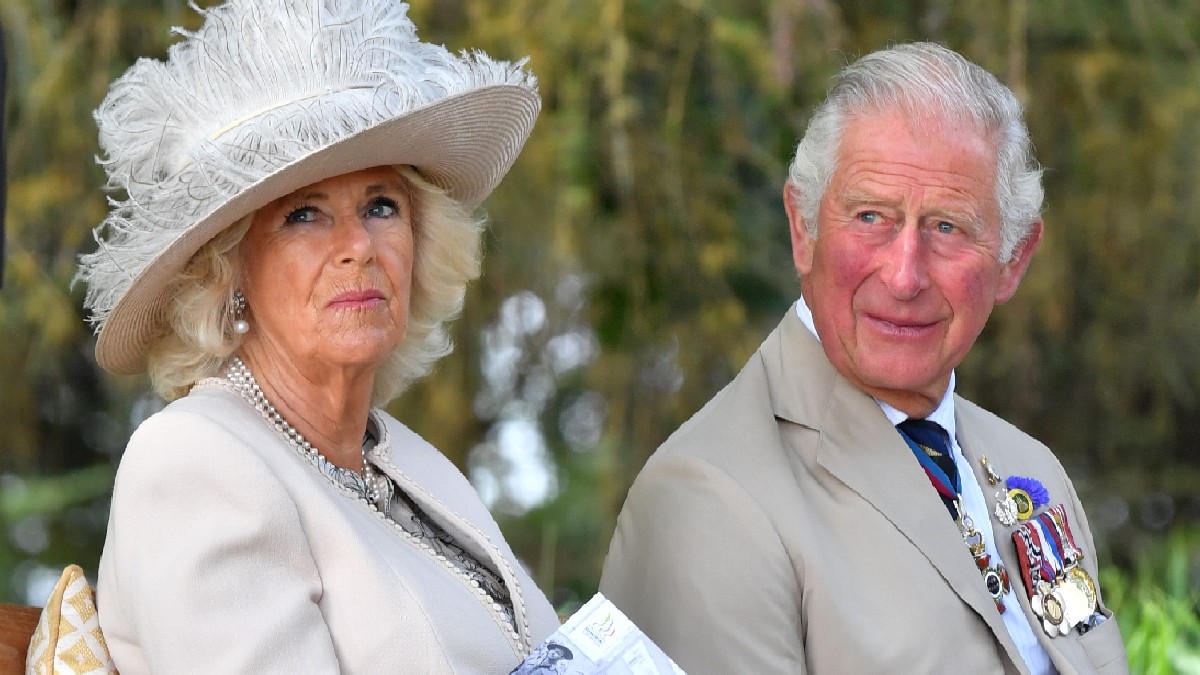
(638, 254)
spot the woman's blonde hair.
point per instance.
(446, 257)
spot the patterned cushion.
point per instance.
(67, 638)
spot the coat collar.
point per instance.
(861, 448)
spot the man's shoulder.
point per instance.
(1002, 436)
(736, 427)
(983, 421)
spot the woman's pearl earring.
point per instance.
(240, 325)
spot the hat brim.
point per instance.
(464, 143)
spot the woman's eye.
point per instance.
(304, 214)
(383, 208)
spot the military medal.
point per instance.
(1083, 581)
(1047, 604)
(995, 577)
(1061, 593)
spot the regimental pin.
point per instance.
(1007, 510)
(992, 476)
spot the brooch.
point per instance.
(1017, 497)
(1028, 494)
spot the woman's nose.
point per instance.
(355, 242)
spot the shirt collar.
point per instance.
(943, 414)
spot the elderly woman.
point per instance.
(298, 180)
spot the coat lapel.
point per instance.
(861, 448)
(416, 469)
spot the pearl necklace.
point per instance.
(376, 490)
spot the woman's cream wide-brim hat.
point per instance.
(269, 96)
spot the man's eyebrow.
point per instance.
(859, 196)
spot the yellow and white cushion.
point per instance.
(68, 638)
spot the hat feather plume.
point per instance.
(261, 84)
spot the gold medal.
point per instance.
(1023, 501)
(1080, 579)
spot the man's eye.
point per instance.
(870, 217)
(946, 227)
(383, 208)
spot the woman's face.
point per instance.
(327, 271)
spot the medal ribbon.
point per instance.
(1029, 553)
(1052, 555)
(1071, 552)
(1045, 547)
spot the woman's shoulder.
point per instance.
(209, 425)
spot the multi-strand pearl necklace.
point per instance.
(376, 490)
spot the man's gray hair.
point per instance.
(929, 82)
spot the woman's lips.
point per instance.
(357, 299)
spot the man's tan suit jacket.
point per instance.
(787, 528)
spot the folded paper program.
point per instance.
(598, 639)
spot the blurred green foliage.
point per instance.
(638, 254)
(1158, 604)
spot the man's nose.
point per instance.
(904, 270)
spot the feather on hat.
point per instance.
(269, 96)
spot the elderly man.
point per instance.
(837, 508)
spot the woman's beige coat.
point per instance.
(227, 552)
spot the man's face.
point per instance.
(905, 271)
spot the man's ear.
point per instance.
(802, 242)
(1012, 271)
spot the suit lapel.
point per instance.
(861, 448)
